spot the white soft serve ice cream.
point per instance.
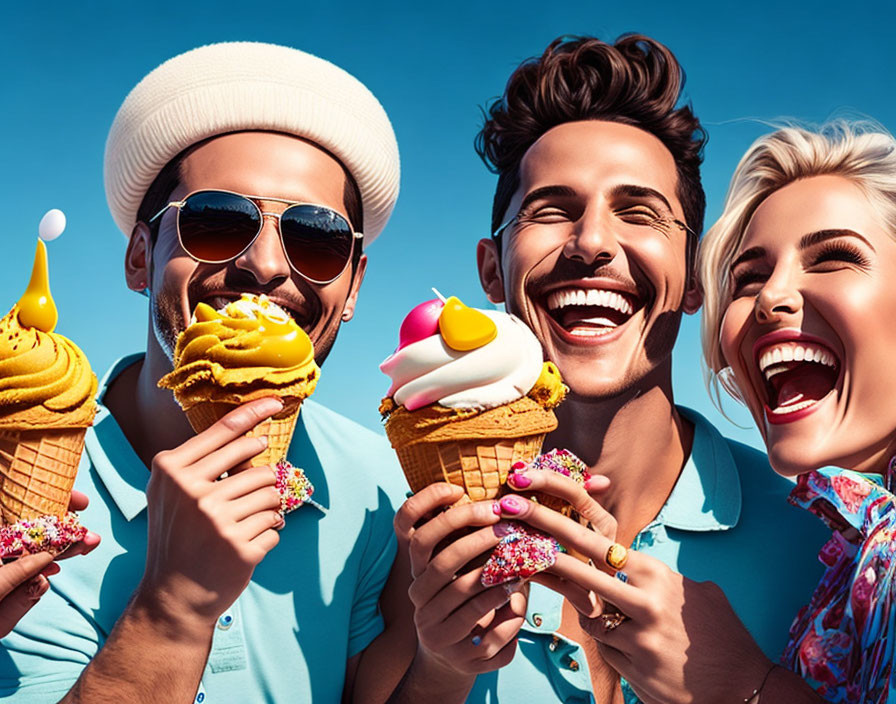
(430, 370)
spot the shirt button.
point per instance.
(225, 622)
(536, 619)
(574, 665)
(554, 642)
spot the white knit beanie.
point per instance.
(236, 86)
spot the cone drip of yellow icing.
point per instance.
(36, 307)
(464, 328)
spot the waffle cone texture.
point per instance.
(471, 449)
(278, 429)
(37, 471)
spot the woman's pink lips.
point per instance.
(788, 335)
(782, 419)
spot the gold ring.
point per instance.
(612, 620)
(617, 555)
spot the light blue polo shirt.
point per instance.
(312, 602)
(727, 520)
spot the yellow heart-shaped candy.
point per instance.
(464, 328)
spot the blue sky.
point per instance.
(66, 67)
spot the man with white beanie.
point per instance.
(232, 168)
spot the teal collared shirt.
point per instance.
(312, 602)
(727, 520)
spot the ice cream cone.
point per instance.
(37, 471)
(476, 453)
(278, 429)
(479, 467)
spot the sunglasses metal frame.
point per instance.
(262, 213)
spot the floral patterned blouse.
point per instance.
(842, 642)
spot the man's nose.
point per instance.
(779, 298)
(265, 259)
(592, 239)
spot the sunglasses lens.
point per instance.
(216, 226)
(318, 241)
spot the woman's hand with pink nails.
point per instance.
(524, 478)
(463, 628)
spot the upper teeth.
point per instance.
(589, 297)
(790, 352)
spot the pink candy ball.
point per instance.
(420, 323)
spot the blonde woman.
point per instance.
(800, 324)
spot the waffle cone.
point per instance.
(37, 471)
(278, 429)
(473, 450)
(478, 466)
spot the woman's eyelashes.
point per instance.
(839, 253)
(831, 256)
(745, 281)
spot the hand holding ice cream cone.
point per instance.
(249, 349)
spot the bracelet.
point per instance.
(758, 690)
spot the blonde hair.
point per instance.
(861, 151)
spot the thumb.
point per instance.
(21, 570)
(19, 602)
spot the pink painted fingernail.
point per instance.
(519, 466)
(511, 505)
(496, 508)
(520, 481)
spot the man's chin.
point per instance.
(588, 386)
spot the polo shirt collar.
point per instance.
(119, 468)
(707, 495)
(125, 476)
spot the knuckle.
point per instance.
(275, 537)
(206, 504)
(489, 650)
(418, 550)
(247, 554)
(417, 601)
(162, 461)
(235, 420)
(652, 610)
(503, 658)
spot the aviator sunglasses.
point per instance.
(215, 227)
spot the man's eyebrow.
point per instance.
(633, 191)
(545, 192)
(813, 238)
(749, 255)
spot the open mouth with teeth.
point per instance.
(797, 376)
(590, 312)
(219, 301)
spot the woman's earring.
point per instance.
(729, 383)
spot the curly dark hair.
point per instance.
(635, 81)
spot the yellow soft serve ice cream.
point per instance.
(47, 403)
(249, 349)
(249, 346)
